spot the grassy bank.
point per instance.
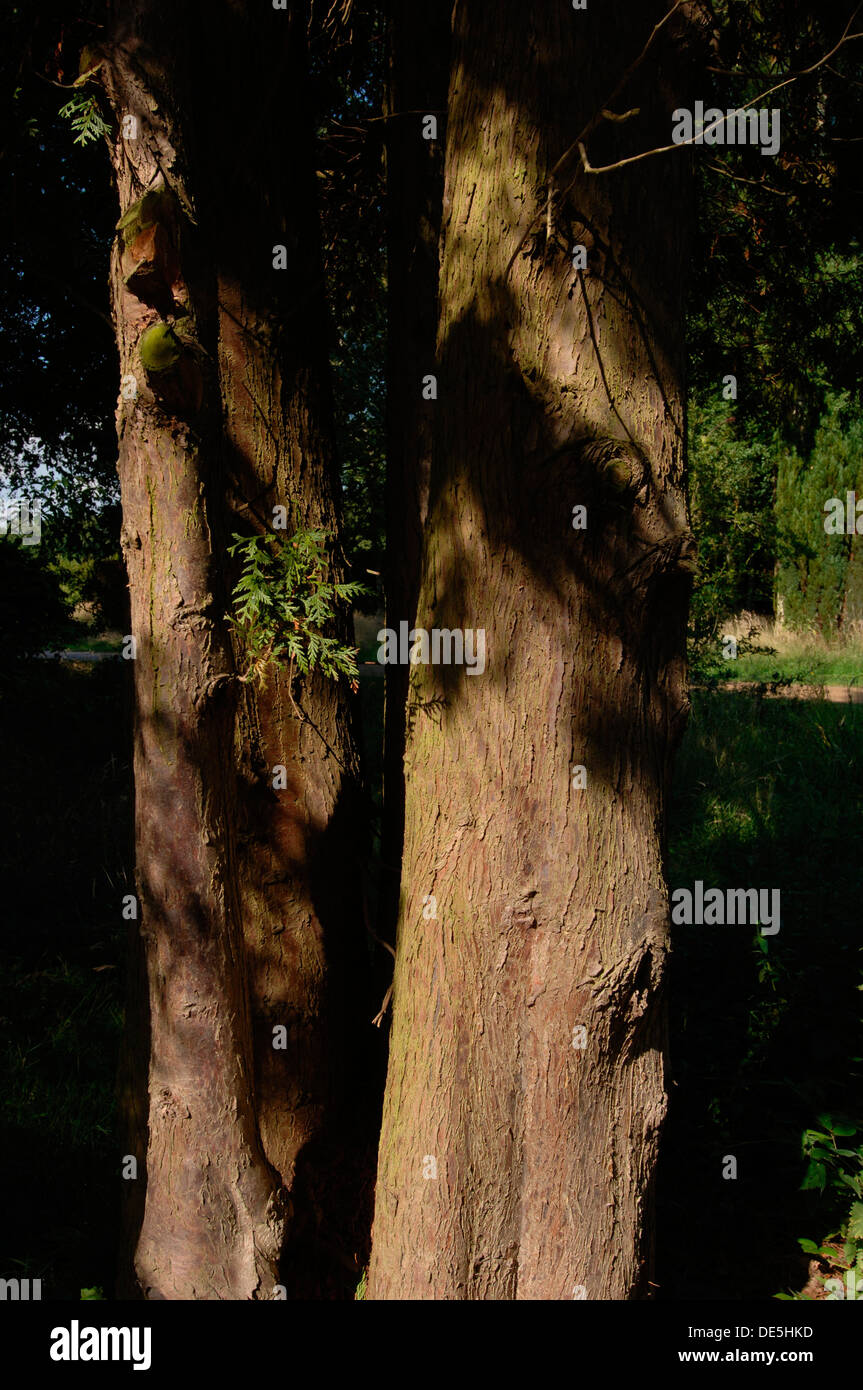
(805, 659)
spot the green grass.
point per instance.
(93, 644)
(800, 658)
(814, 667)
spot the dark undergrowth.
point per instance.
(65, 863)
(765, 1030)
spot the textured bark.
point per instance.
(242, 888)
(558, 388)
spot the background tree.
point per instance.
(775, 296)
(778, 238)
(57, 364)
(819, 577)
(732, 471)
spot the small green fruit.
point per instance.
(159, 348)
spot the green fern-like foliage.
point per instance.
(283, 601)
(839, 1168)
(87, 120)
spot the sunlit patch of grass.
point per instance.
(802, 658)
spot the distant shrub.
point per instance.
(820, 576)
(33, 614)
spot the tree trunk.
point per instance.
(242, 890)
(514, 1162)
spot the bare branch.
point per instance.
(665, 149)
(604, 112)
(738, 178)
(594, 120)
(846, 38)
(678, 145)
(612, 115)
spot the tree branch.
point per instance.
(757, 183)
(665, 149)
(603, 113)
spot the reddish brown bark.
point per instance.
(243, 890)
(513, 1164)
